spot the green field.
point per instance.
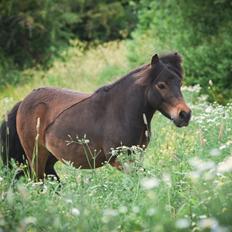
(182, 182)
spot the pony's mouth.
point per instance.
(180, 123)
(181, 120)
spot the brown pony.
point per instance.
(114, 115)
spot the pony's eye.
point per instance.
(161, 85)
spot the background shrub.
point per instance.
(199, 30)
(31, 29)
(32, 32)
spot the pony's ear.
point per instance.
(154, 59)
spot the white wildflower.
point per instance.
(29, 220)
(226, 145)
(202, 98)
(122, 209)
(10, 197)
(210, 82)
(215, 152)
(151, 211)
(23, 191)
(210, 174)
(208, 223)
(226, 165)
(69, 201)
(114, 152)
(223, 146)
(75, 211)
(229, 142)
(135, 209)
(167, 179)
(202, 216)
(201, 165)
(149, 183)
(194, 88)
(194, 175)
(182, 223)
(209, 109)
(110, 212)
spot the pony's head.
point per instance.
(164, 88)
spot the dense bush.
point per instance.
(30, 29)
(8, 73)
(200, 30)
(33, 31)
(104, 20)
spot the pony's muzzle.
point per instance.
(183, 118)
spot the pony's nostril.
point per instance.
(182, 115)
(185, 115)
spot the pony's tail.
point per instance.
(10, 145)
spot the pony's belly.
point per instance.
(84, 158)
(79, 155)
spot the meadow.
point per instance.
(182, 182)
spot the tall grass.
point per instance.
(182, 183)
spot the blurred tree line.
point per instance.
(31, 28)
(32, 31)
(200, 30)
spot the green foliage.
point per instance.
(185, 185)
(32, 30)
(8, 73)
(199, 30)
(104, 20)
(76, 68)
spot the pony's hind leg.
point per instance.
(38, 162)
(49, 168)
(116, 164)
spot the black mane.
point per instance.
(172, 61)
(106, 88)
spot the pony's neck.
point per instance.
(130, 102)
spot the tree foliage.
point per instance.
(32, 30)
(200, 30)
